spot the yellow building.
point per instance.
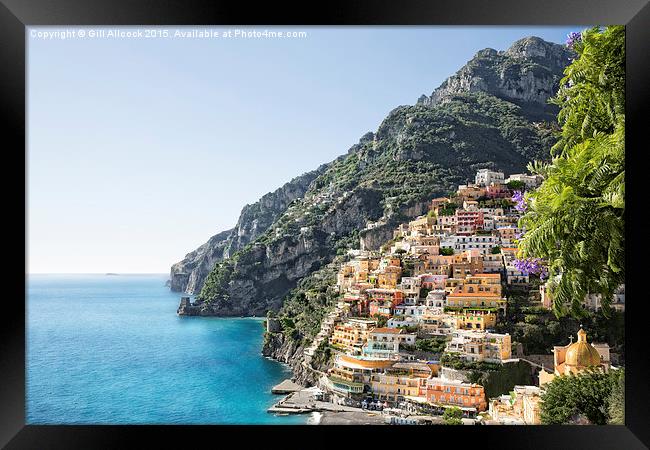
(352, 335)
(389, 277)
(576, 357)
(422, 225)
(368, 264)
(474, 319)
(475, 300)
(401, 380)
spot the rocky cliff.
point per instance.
(289, 351)
(189, 274)
(485, 116)
(526, 74)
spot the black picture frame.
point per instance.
(16, 15)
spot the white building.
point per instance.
(414, 311)
(492, 263)
(531, 181)
(485, 177)
(480, 345)
(593, 302)
(386, 341)
(482, 243)
(411, 285)
(402, 321)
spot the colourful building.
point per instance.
(408, 379)
(469, 397)
(468, 221)
(475, 300)
(352, 335)
(480, 346)
(475, 291)
(474, 319)
(389, 277)
(350, 375)
(520, 407)
(386, 342)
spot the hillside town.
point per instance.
(415, 321)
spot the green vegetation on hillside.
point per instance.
(432, 345)
(313, 297)
(538, 329)
(503, 379)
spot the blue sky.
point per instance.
(139, 150)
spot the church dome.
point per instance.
(582, 354)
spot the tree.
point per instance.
(516, 185)
(496, 250)
(446, 251)
(586, 394)
(453, 416)
(407, 267)
(616, 409)
(433, 345)
(575, 220)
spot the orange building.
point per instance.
(467, 396)
(352, 335)
(389, 277)
(481, 290)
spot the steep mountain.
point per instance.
(488, 115)
(189, 274)
(526, 74)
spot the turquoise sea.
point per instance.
(111, 350)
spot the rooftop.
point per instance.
(387, 330)
(363, 363)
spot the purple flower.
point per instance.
(573, 38)
(529, 266)
(518, 198)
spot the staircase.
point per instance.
(327, 325)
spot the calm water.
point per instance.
(110, 349)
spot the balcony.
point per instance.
(343, 385)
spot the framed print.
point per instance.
(295, 222)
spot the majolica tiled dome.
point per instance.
(582, 354)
